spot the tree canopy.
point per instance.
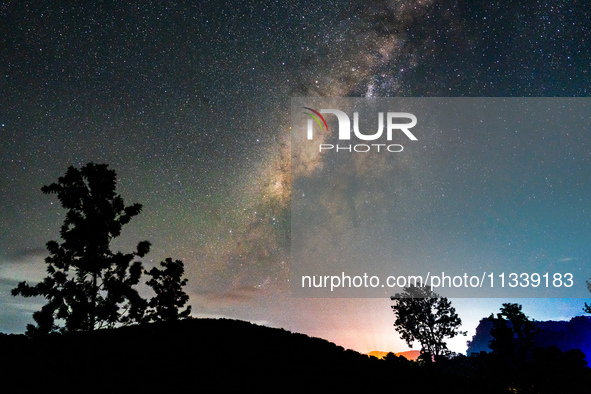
(424, 316)
(88, 286)
(587, 308)
(512, 331)
(168, 286)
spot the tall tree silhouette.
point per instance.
(513, 333)
(170, 296)
(424, 316)
(87, 285)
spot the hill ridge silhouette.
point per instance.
(229, 355)
(219, 353)
(565, 335)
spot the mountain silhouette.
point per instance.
(221, 355)
(565, 335)
(210, 354)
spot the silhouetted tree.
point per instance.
(424, 316)
(587, 308)
(170, 296)
(513, 332)
(87, 285)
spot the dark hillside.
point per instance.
(190, 354)
(212, 355)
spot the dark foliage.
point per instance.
(170, 296)
(565, 335)
(524, 356)
(424, 316)
(88, 286)
(546, 371)
(513, 333)
(587, 308)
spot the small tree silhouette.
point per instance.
(87, 285)
(426, 317)
(170, 296)
(587, 308)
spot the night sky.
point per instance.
(190, 104)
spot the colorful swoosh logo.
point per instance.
(316, 118)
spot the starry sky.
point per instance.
(490, 188)
(190, 103)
